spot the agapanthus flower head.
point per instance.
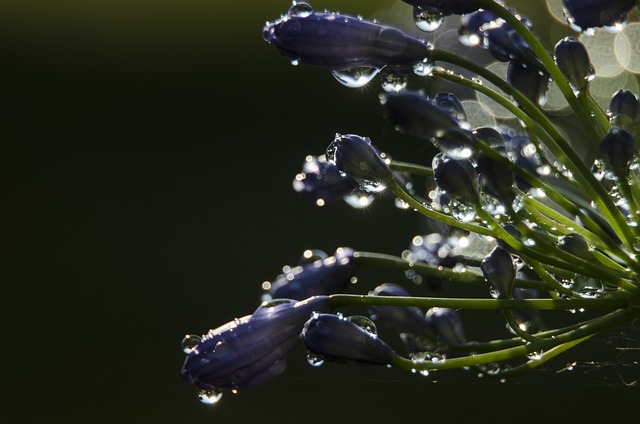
(457, 178)
(616, 151)
(584, 15)
(251, 350)
(448, 7)
(447, 325)
(400, 319)
(323, 181)
(499, 270)
(341, 42)
(574, 62)
(624, 110)
(321, 277)
(336, 338)
(531, 80)
(357, 157)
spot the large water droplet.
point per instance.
(209, 396)
(365, 323)
(394, 82)
(314, 360)
(355, 77)
(300, 9)
(190, 342)
(427, 20)
(423, 68)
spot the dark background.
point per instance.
(148, 151)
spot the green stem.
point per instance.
(411, 168)
(607, 321)
(513, 324)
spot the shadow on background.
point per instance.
(149, 150)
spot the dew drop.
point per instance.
(300, 10)
(355, 77)
(365, 323)
(423, 68)
(189, 343)
(393, 82)
(427, 20)
(314, 360)
(209, 396)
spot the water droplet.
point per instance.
(355, 77)
(295, 62)
(427, 20)
(209, 396)
(189, 343)
(394, 82)
(300, 10)
(423, 68)
(359, 200)
(365, 323)
(535, 356)
(314, 360)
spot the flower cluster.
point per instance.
(518, 210)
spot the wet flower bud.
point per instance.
(494, 178)
(530, 80)
(624, 110)
(616, 151)
(358, 158)
(505, 44)
(322, 277)
(471, 28)
(415, 114)
(457, 178)
(339, 339)
(433, 249)
(572, 58)
(339, 41)
(448, 7)
(500, 271)
(322, 181)
(446, 324)
(450, 102)
(576, 245)
(401, 319)
(586, 14)
(250, 350)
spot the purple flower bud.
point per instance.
(322, 181)
(401, 319)
(322, 277)
(339, 339)
(448, 7)
(471, 28)
(446, 325)
(576, 245)
(500, 271)
(457, 178)
(572, 58)
(505, 44)
(495, 178)
(624, 109)
(450, 102)
(530, 80)
(358, 158)
(513, 232)
(525, 154)
(250, 350)
(415, 114)
(586, 14)
(616, 151)
(340, 42)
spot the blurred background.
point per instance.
(149, 149)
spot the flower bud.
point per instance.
(471, 28)
(358, 158)
(448, 7)
(530, 80)
(495, 178)
(250, 350)
(432, 249)
(446, 324)
(415, 114)
(322, 181)
(505, 44)
(576, 245)
(457, 178)
(339, 339)
(339, 41)
(322, 277)
(513, 232)
(449, 102)
(500, 271)
(586, 14)
(572, 58)
(401, 319)
(616, 151)
(624, 110)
